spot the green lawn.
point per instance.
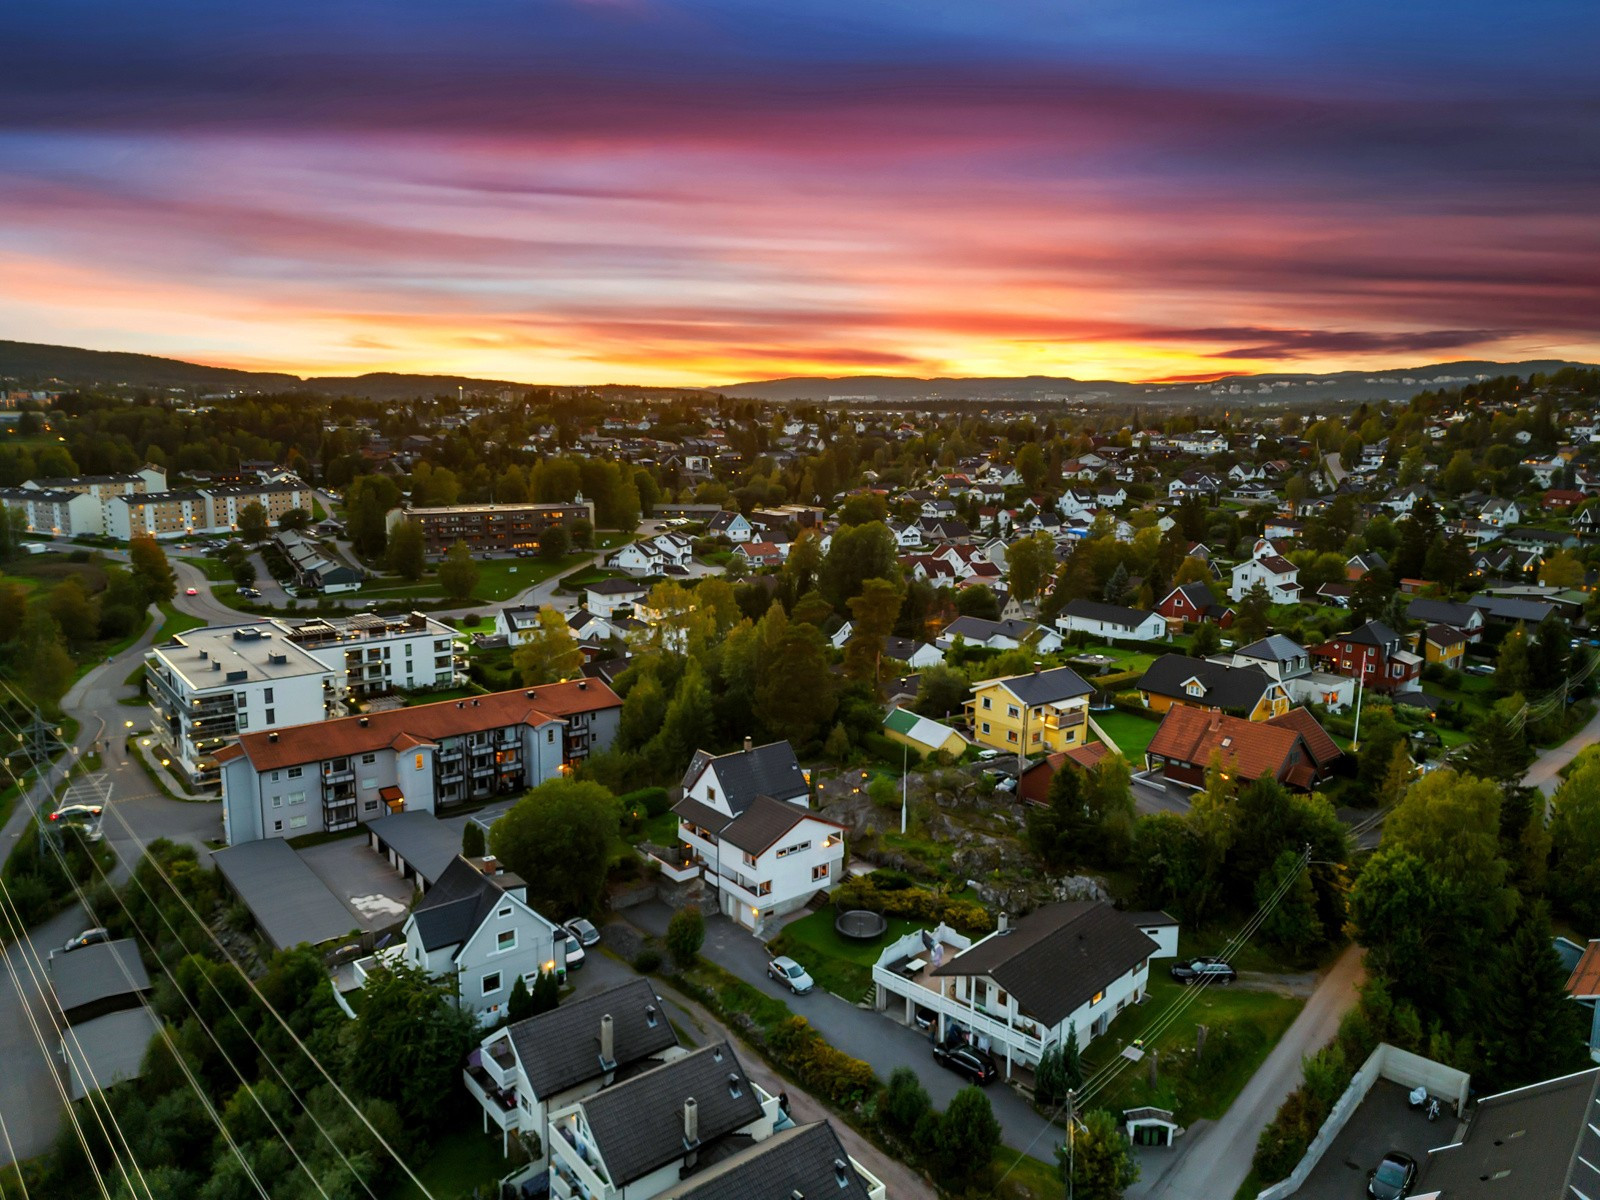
(1127, 660)
(1242, 1026)
(498, 579)
(174, 622)
(660, 831)
(213, 569)
(839, 965)
(1131, 734)
(461, 1162)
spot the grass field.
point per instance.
(1242, 1027)
(213, 569)
(839, 965)
(174, 621)
(1131, 734)
(462, 1162)
(498, 579)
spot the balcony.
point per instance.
(499, 1103)
(343, 775)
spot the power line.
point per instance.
(260, 996)
(11, 1150)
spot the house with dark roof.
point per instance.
(999, 635)
(1540, 1142)
(1193, 603)
(1465, 617)
(1071, 966)
(1200, 683)
(746, 819)
(1372, 654)
(518, 1074)
(1190, 739)
(1040, 711)
(1292, 665)
(803, 1160)
(639, 1137)
(1111, 622)
(475, 926)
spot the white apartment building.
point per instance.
(209, 685)
(430, 758)
(372, 654)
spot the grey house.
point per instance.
(478, 929)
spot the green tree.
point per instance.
(863, 508)
(837, 748)
(148, 562)
(1099, 1161)
(520, 1006)
(558, 838)
(458, 573)
(367, 502)
(75, 611)
(1207, 640)
(858, 553)
(1029, 562)
(872, 617)
(1252, 616)
(407, 552)
(1030, 465)
(689, 724)
(1512, 670)
(967, 1139)
(296, 519)
(796, 695)
(1575, 843)
(46, 668)
(1528, 1026)
(978, 601)
(1293, 925)
(686, 933)
(472, 841)
(554, 543)
(941, 690)
(547, 653)
(1380, 735)
(644, 707)
(1499, 747)
(904, 1102)
(253, 522)
(546, 993)
(410, 1039)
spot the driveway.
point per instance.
(29, 1101)
(1153, 794)
(1215, 1156)
(861, 1033)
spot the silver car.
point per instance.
(791, 974)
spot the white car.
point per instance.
(574, 950)
(791, 974)
(986, 755)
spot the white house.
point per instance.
(520, 1073)
(745, 818)
(610, 597)
(732, 525)
(475, 926)
(1272, 570)
(1500, 513)
(1111, 622)
(999, 635)
(1063, 970)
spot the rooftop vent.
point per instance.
(608, 1042)
(273, 736)
(364, 722)
(650, 1015)
(204, 655)
(583, 685)
(734, 1089)
(841, 1172)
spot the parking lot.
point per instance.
(363, 882)
(1384, 1121)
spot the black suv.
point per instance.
(1197, 969)
(966, 1060)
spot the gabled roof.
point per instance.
(1272, 648)
(1322, 748)
(1057, 957)
(1110, 614)
(560, 1049)
(1441, 612)
(1584, 982)
(804, 1160)
(638, 1125)
(764, 821)
(1225, 686)
(769, 770)
(1251, 749)
(450, 912)
(1373, 633)
(979, 629)
(1197, 594)
(1042, 687)
(403, 728)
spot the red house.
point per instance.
(1193, 603)
(1375, 654)
(1561, 499)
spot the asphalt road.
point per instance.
(1214, 1158)
(861, 1033)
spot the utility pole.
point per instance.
(1361, 683)
(1072, 1139)
(905, 803)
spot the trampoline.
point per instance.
(860, 925)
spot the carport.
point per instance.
(288, 901)
(417, 844)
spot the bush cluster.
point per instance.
(895, 899)
(652, 801)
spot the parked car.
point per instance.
(969, 1061)
(574, 950)
(77, 812)
(250, 593)
(1393, 1177)
(986, 755)
(87, 938)
(1197, 969)
(791, 974)
(584, 929)
(1479, 669)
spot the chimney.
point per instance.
(691, 1123)
(608, 1041)
(363, 721)
(272, 737)
(1216, 719)
(1004, 924)
(747, 744)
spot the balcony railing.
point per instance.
(499, 1103)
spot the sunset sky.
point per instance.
(588, 191)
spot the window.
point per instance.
(294, 772)
(275, 775)
(986, 703)
(368, 784)
(1098, 996)
(491, 983)
(297, 797)
(244, 722)
(1011, 735)
(419, 762)
(409, 648)
(794, 849)
(749, 860)
(505, 940)
(272, 715)
(549, 737)
(369, 759)
(711, 794)
(986, 727)
(277, 802)
(297, 822)
(277, 827)
(1013, 711)
(241, 699)
(266, 695)
(819, 873)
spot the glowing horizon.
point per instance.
(710, 192)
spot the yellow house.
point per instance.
(1443, 644)
(1041, 711)
(1199, 683)
(923, 735)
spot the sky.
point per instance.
(710, 191)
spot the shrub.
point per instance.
(647, 960)
(686, 933)
(904, 1102)
(911, 903)
(652, 801)
(472, 843)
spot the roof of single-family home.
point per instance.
(560, 1049)
(1042, 687)
(1252, 749)
(1108, 614)
(452, 909)
(1057, 957)
(769, 770)
(1442, 612)
(1322, 748)
(1224, 686)
(805, 1160)
(638, 1125)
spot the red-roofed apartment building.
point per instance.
(336, 774)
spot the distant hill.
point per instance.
(37, 365)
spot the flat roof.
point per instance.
(107, 1050)
(96, 973)
(284, 895)
(420, 838)
(253, 649)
